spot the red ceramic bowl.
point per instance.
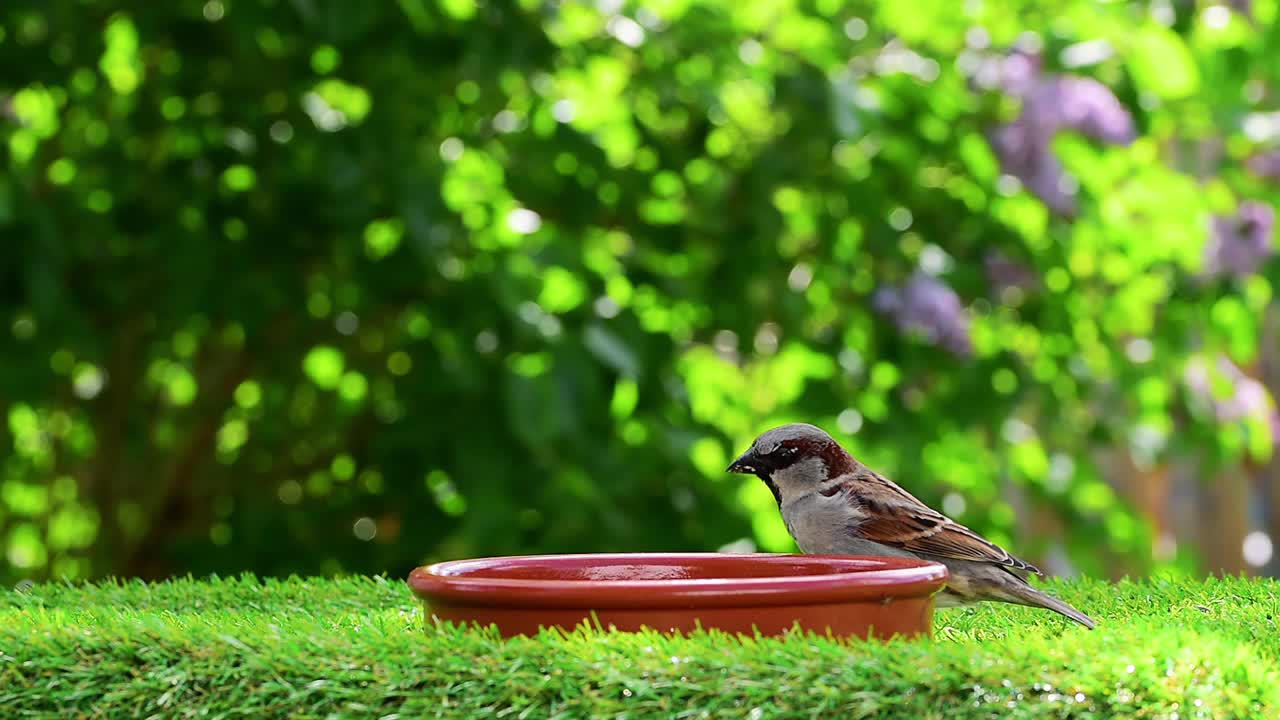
(846, 595)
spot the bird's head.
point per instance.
(794, 459)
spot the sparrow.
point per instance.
(834, 505)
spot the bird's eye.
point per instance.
(786, 452)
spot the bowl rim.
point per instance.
(447, 583)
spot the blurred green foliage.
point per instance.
(322, 285)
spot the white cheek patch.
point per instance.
(801, 477)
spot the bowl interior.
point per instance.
(657, 567)
(671, 582)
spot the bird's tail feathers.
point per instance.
(1028, 595)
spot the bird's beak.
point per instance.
(747, 464)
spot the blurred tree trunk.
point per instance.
(1147, 489)
(1268, 476)
(1225, 521)
(104, 479)
(176, 495)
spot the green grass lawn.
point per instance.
(358, 648)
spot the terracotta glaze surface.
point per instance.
(849, 596)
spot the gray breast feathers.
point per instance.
(824, 525)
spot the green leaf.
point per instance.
(707, 454)
(625, 396)
(382, 237)
(1162, 64)
(353, 386)
(239, 178)
(324, 365)
(562, 291)
(459, 9)
(120, 62)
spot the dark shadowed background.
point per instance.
(319, 286)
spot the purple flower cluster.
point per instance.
(1248, 399)
(1025, 154)
(927, 306)
(1238, 244)
(1005, 274)
(1051, 104)
(1265, 165)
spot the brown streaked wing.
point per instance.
(894, 517)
